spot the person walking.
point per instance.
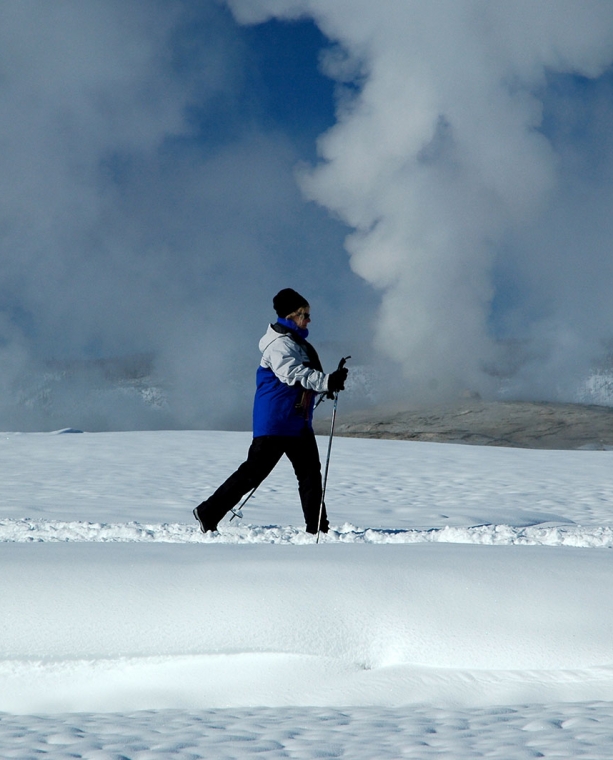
(288, 380)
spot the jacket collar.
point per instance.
(303, 333)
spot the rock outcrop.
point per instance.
(523, 424)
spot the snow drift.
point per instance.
(145, 625)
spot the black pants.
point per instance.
(264, 453)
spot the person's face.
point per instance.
(302, 317)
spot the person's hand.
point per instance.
(336, 380)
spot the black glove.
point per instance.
(336, 381)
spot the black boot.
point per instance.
(323, 527)
(205, 525)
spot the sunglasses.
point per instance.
(303, 315)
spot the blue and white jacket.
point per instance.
(288, 380)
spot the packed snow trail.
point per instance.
(53, 531)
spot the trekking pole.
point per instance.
(236, 511)
(341, 364)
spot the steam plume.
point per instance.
(463, 159)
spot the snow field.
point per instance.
(460, 607)
(157, 477)
(569, 730)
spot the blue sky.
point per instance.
(291, 92)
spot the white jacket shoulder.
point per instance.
(288, 360)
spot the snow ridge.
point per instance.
(546, 534)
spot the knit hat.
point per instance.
(287, 301)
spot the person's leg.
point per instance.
(303, 453)
(264, 453)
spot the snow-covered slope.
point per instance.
(113, 601)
